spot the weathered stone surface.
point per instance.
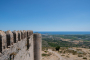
(21, 45)
(30, 32)
(37, 46)
(15, 35)
(19, 35)
(22, 34)
(3, 42)
(25, 33)
(9, 36)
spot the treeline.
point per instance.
(74, 37)
(53, 43)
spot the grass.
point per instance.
(62, 55)
(45, 54)
(84, 58)
(45, 51)
(79, 55)
(67, 56)
(13, 53)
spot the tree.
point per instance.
(57, 48)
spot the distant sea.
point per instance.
(64, 33)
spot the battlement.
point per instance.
(8, 38)
(14, 44)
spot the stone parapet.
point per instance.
(8, 38)
(20, 45)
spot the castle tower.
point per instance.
(37, 46)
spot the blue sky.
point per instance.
(45, 15)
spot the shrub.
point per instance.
(46, 54)
(67, 56)
(57, 48)
(60, 51)
(74, 52)
(64, 52)
(79, 55)
(45, 51)
(84, 58)
(62, 55)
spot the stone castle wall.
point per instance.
(20, 45)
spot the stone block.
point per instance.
(15, 35)
(22, 34)
(3, 42)
(19, 35)
(9, 38)
(30, 32)
(25, 34)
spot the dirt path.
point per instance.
(51, 57)
(59, 56)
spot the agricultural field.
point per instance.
(72, 47)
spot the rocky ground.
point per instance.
(55, 55)
(51, 57)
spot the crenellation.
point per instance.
(19, 35)
(9, 38)
(22, 34)
(3, 42)
(30, 32)
(19, 45)
(25, 34)
(15, 35)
